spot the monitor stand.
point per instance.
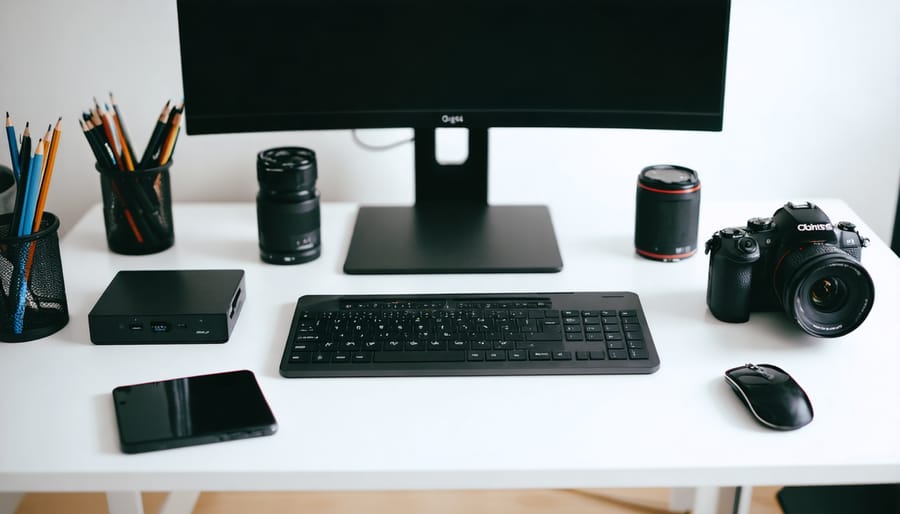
(451, 228)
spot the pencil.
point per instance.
(47, 175)
(123, 134)
(31, 190)
(25, 150)
(155, 137)
(30, 187)
(13, 146)
(169, 143)
(108, 129)
(47, 136)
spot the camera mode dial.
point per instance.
(758, 224)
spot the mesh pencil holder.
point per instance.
(32, 291)
(137, 209)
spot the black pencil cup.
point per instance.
(137, 209)
(32, 290)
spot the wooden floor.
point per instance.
(569, 501)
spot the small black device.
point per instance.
(667, 213)
(773, 397)
(168, 306)
(797, 261)
(287, 206)
(583, 333)
(190, 411)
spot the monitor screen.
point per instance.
(319, 64)
(261, 65)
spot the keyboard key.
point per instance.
(419, 357)
(539, 355)
(495, 355)
(517, 355)
(544, 336)
(562, 356)
(618, 355)
(638, 354)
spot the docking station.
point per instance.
(168, 306)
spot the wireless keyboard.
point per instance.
(469, 334)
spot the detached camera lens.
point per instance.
(667, 212)
(287, 206)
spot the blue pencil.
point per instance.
(13, 147)
(32, 188)
(29, 203)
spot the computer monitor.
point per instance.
(261, 65)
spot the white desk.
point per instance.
(679, 427)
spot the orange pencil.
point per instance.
(48, 173)
(169, 143)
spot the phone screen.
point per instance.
(192, 410)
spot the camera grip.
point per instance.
(730, 278)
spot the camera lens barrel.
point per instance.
(287, 205)
(667, 212)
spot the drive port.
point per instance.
(159, 326)
(135, 327)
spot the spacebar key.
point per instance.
(428, 356)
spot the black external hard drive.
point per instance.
(168, 306)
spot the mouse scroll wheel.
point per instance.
(761, 371)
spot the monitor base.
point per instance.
(453, 239)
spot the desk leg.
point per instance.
(681, 499)
(9, 502)
(721, 500)
(124, 502)
(180, 502)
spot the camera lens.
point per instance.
(667, 212)
(287, 206)
(824, 289)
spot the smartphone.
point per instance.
(190, 411)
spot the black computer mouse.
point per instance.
(774, 398)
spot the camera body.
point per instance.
(795, 260)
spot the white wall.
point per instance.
(812, 110)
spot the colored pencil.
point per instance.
(32, 186)
(127, 150)
(47, 175)
(24, 229)
(13, 146)
(169, 143)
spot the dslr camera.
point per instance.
(796, 261)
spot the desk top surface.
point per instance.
(680, 426)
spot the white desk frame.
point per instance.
(681, 427)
